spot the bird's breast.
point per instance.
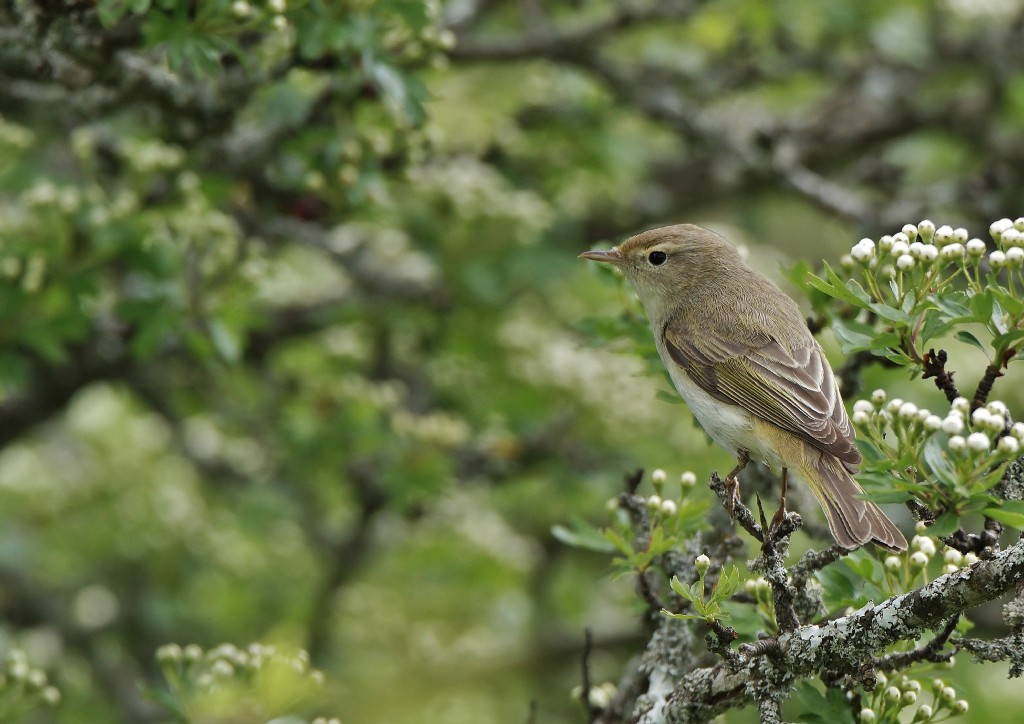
(730, 426)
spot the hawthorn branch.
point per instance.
(845, 644)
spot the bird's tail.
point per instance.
(853, 522)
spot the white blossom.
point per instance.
(943, 235)
(905, 262)
(978, 441)
(932, 423)
(976, 247)
(1008, 445)
(961, 404)
(996, 259)
(926, 229)
(956, 443)
(953, 425)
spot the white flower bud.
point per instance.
(1008, 445)
(910, 230)
(996, 260)
(926, 229)
(599, 697)
(970, 559)
(961, 706)
(961, 404)
(894, 405)
(888, 272)
(920, 527)
(658, 476)
(885, 244)
(924, 713)
(937, 685)
(953, 252)
(950, 568)
(978, 442)
(918, 560)
(924, 544)
(860, 418)
(922, 414)
(669, 508)
(943, 235)
(1018, 431)
(863, 251)
(654, 502)
(953, 425)
(688, 479)
(932, 423)
(1011, 238)
(948, 693)
(960, 234)
(878, 397)
(1014, 256)
(868, 715)
(912, 685)
(996, 228)
(278, 6)
(997, 407)
(956, 443)
(916, 250)
(750, 585)
(976, 248)
(929, 253)
(702, 563)
(908, 411)
(892, 563)
(899, 247)
(909, 697)
(241, 9)
(980, 417)
(846, 262)
(763, 587)
(863, 406)
(611, 505)
(905, 262)
(893, 694)
(952, 555)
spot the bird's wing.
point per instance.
(792, 390)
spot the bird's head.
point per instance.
(668, 264)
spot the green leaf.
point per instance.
(944, 524)
(982, 305)
(937, 462)
(834, 286)
(853, 336)
(1011, 512)
(581, 534)
(966, 337)
(891, 314)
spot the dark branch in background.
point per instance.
(593, 712)
(992, 372)
(935, 367)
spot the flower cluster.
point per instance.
(923, 549)
(891, 695)
(23, 688)
(959, 449)
(918, 245)
(242, 677)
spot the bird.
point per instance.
(740, 354)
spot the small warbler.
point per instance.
(739, 352)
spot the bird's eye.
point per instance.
(657, 258)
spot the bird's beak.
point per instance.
(612, 256)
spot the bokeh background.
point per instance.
(295, 347)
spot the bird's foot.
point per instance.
(732, 483)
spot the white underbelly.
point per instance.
(728, 425)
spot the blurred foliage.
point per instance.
(294, 346)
